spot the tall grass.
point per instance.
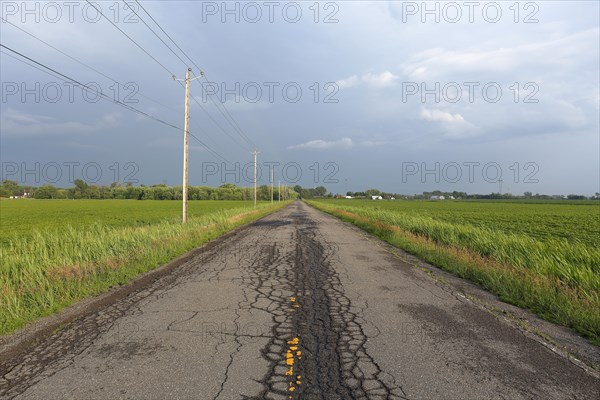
(45, 271)
(555, 277)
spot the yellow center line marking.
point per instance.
(292, 353)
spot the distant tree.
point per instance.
(4, 192)
(45, 192)
(93, 192)
(320, 191)
(80, 189)
(10, 188)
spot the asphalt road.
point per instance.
(299, 305)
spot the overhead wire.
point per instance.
(229, 118)
(180, 83)
(86, 65)
(66, 78)
(140, 47)
(131, 39)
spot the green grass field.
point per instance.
(55, 252)
(541, 256)
(21, 218)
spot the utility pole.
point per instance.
(186, 132)
(272, 181)
(255, 153)
(279, 191)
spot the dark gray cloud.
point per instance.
(353, 96)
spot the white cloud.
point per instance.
(380, 80)
(437, 115)
(348, 82)
(343, 143)
(384, 79)
(450, 126)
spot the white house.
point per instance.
(376, 198)
(434, 197)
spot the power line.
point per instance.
(104, 96)
(153, 58)
(155, 34)
(233, 122)
(86, 65)
(216, 123)
(193, 97)
(129, 37)
(199, 69)
(170, 38)
(172, 74)
(166, 69)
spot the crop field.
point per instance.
(22, 218)
(541, 256)
(55, 252)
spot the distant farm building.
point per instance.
(376, 198)
(23, 195)
(434, 197)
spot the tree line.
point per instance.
(83, 190)
(228, 191)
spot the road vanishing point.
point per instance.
(297, 305)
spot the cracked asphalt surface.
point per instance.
(299, 305)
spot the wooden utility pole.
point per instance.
(186, 127)
(186, 133)
(255, 153)
(272, 181)
(279, 190)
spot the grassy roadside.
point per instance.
(557, 280)
(47, 272)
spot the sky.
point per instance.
(401, 96)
